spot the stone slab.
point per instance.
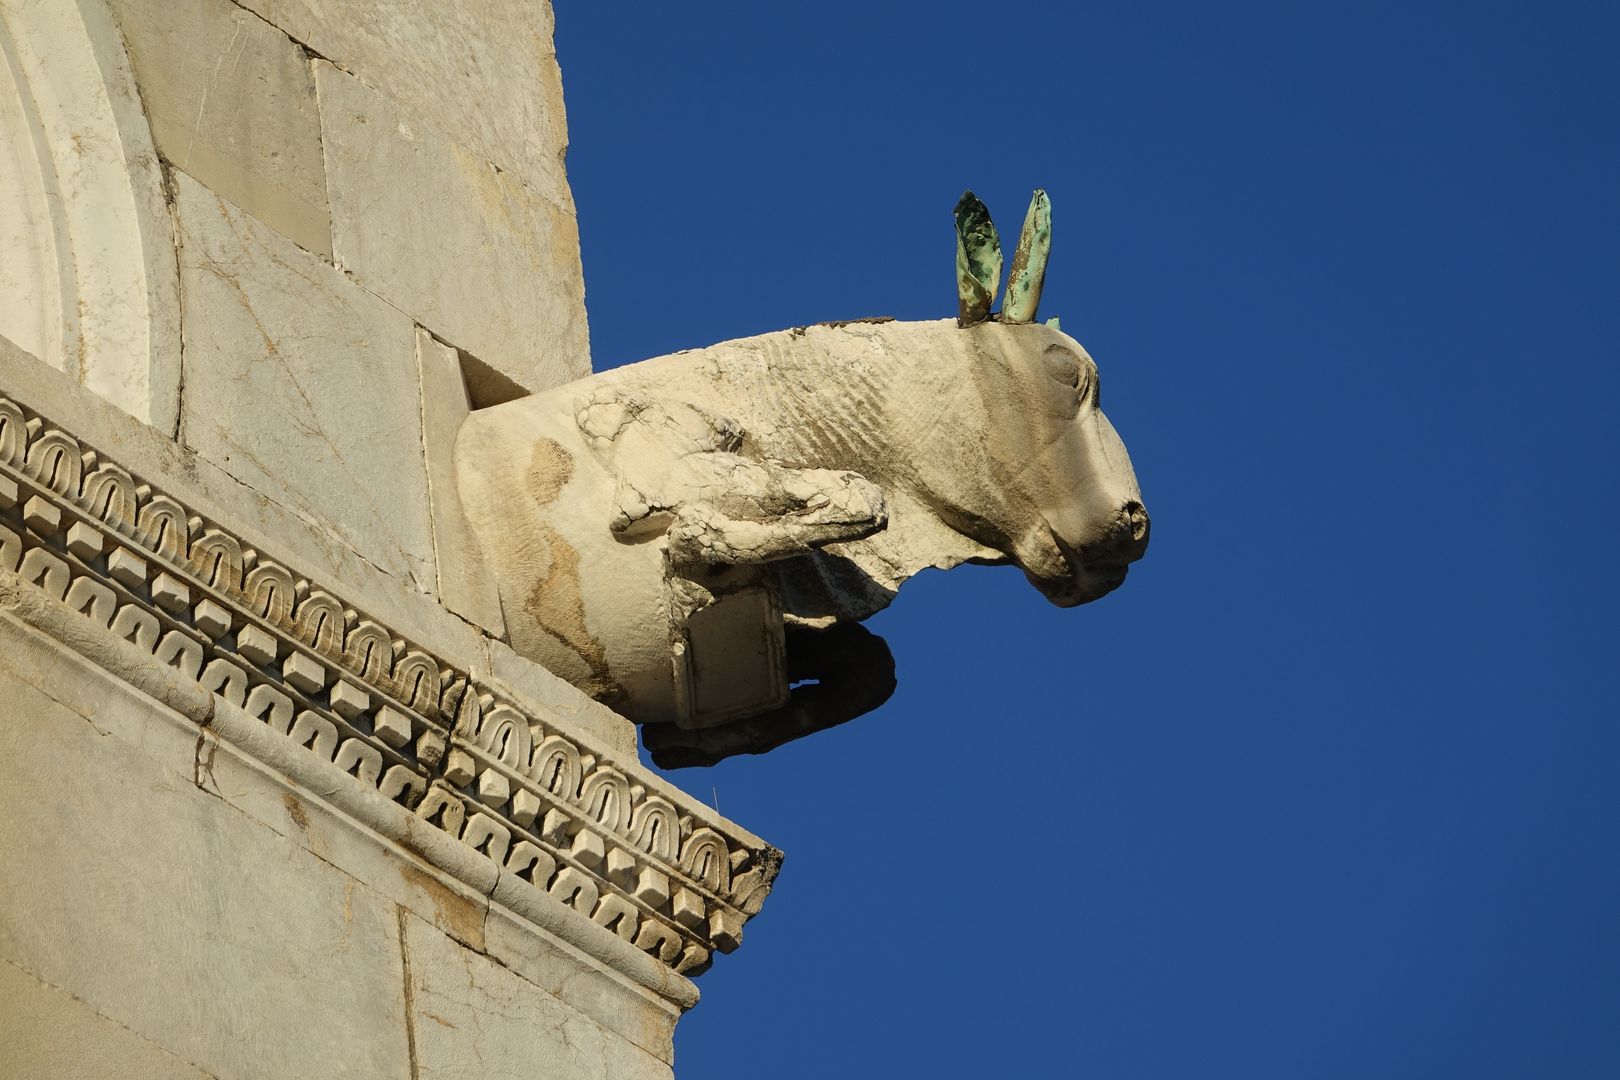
(302, 385)
(232, 102)
(213, 937)
(263, 776)
(305, 819)
(46, 1032)
(481, 260)
(553, 966)
(484, 74)
(465, 586)
(395, 866)
(472, 1018)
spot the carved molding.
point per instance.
(607, 838)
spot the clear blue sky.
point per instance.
(1331, 787)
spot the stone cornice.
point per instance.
(618, 845)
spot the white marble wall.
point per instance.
(326, 232)
(174, 908)
(417, 145)
(305, 189)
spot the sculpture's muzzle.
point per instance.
(1097, 565)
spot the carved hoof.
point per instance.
(846, 670)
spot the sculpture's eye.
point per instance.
(1062, 365)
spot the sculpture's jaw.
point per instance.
(1092, 583)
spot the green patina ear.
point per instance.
(978, 260)
(1028, 271)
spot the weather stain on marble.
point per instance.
(456, 915)
(555, 601)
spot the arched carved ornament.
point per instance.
(89, 282)
(696, 538)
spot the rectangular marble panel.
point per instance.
(483, 73)
(483, 261)
(472, 1018)
(301, 384)
(166, 911)
(47, 1032)
(163, 750)
(231, 101)
(557, 968)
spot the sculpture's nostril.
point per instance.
(1128, 533)
(1138, 521)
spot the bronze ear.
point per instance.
(1028, 273)
(978, 260)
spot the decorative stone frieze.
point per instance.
(613, 841)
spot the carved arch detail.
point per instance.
(504, 732)
(319, 623)
(556, 767)
(13, 434)
(706, 858)
(655, 827)
(268, 589)
(109, 494)
(605, 796)
(416, 683)
(55, 460)
(368, 651)
(216, 558)
(162, 526)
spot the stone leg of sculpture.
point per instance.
(736, 511)
(841, 673)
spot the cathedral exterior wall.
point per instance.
(280, 799)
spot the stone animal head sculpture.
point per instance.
(695, 539)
